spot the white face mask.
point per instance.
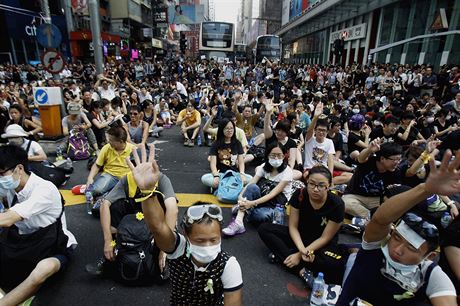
(275, 162)
(355, 111)
(448, 117)
(204, 254)
(409, 277)
(430, 119)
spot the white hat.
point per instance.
(14, 130)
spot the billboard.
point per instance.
(185, 14)
(297, 7)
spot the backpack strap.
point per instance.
(28, 146)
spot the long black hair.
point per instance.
(220, 139)
(269, 168)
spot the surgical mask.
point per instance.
(275, 162)
(355, 111)
(448, 117)
(409, 277)
(430, 119)
(204, 254)
(8, 182)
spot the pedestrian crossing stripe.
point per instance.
(185, 199)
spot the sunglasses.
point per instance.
(421, 227)
(196, 213)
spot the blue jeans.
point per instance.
(104, 183)
(257, 214)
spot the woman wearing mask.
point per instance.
(271, 185)
(310, 243)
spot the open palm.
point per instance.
(146, 173)
(444, 180)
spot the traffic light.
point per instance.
(182, 42)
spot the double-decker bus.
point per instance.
(216, 40)
(268, 46)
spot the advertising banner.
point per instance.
(185, 14)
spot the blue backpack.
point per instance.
(230, 186)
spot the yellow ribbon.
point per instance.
(132, 189)
(209, 286)
(406, 295)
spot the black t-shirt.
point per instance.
(416, 179)
(367, 181)
(295, 135)
(378, 132)
(412, 136)
(353, 139)
(312, 222)
(227, 155)
(338, 141)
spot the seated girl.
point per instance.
(271, 185)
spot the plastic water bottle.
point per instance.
(58, 153)
(318, 290)
(89, 199)
(446, 219)
(198, 141)
(2, 208)
(68, 163)
(278, 214)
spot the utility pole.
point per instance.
(66, 4)
(46, 11)
(95, 19)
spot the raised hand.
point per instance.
(318, 109)
(374, 145)
(268, 103)
(432, 144)
(444, 180)
(146, 173)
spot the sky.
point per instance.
(226, 10)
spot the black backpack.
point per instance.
(136, 260)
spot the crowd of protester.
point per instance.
(332, 143)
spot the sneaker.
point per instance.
(186, 141)
(308, 278)
(156, 135)
(191, 143)
(235, 209)
(96, 268)
(89, 201)
(233, 228)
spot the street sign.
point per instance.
(41, 96)
(49, 36)
(45, 96)
(53, 61)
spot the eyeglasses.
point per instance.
(395, 160)
(134, 114)
(321, 130)
(420, 226)
(321, 187)
(277, 156)
(196, 213)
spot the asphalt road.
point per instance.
(264, 283)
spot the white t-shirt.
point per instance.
(34, 149)
(231, 277)
(317, 153)
(286, 175)
(39, 204)
(108, 93)
(439, 284)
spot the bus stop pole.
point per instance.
(96, 31)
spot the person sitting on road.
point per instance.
(239, 133)
(189, 120)
(246, 120)
(17, 136)
(388, 132)
(18, 117)
(200, 272)
(377, 169)
(111, 160)
(35, 243)
(358, 137)
(394, 267)
(138, 129)
(162, 108)
(98, 123)
(226, 153)
(306, 245)
(151, 116)
(271, 185)
(120, 202)
(78, 121)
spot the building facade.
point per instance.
(387, 31)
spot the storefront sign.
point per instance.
(160, 15)
(351, 33)
(156, 43)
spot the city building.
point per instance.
(386, 31)
(260, 17)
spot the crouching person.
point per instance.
(34, 241)
(119, 202)
(200, 272)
